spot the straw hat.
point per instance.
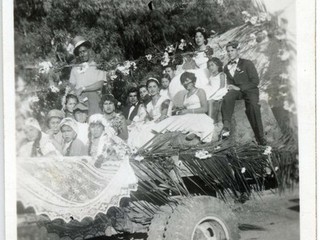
(79, 41)
(55, 113)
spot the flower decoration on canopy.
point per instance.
(44, 67)
(149, 57)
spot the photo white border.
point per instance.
(306, 118)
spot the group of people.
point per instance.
(187, 100)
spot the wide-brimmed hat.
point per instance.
(69, 122)
(80, 107)
(79, 41)
(55, 113)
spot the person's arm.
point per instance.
(90, 88)
(252, 73)
(123, 133)
(203, 102)
(141, 115)
(164, 110)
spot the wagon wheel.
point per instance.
(196, 218)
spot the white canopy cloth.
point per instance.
(72, 187)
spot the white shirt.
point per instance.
(232, 67)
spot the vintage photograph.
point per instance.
(150, 120)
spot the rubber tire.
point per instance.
(181, 223)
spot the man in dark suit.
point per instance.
(131, 110)
(243, 80)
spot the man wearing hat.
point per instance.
(243, 81)
(85, 78)
(80, 113)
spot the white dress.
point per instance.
(142, 133)
(198, 124)
(215, 89)
(177, 91)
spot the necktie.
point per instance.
(233, 62)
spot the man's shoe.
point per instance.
(225, 133)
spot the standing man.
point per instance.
(134, 111)
(85, 78)
(243, 80)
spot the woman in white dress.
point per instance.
(191, 119)
(202, 54)
(157, 110)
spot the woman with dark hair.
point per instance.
(116, 120)
(144, 96)
(38, 143)
(157, 110)
(217, 87)
(191, 119)
(69, 102)
(204, 52)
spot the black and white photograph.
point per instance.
(158, 120)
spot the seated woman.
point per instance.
(157, 110)
(104, 145)
(53, 120)
(115, 120)
(38, 143)
(165, 82)
(191, 118)
(72, 145)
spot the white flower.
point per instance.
(265, 32)
(170, 49)
(289, 107)
(59, 83)
(149, 57)
(113, 77)
(33, 99)
(44, 67)
(127, 64)
(220, 2)
(134, 65)
(217, 148)
(70, 48)
(138, 158)
(245, 13)
(263, 17)
(182, 44)
(284, 55)
(202, 154)
(267, 151)
(253, 36)
(165, 59)
(276, 168)
(243, 170)
(126, 72)
(54, 89)
(284, 76)
(254, 20)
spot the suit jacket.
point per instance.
(126, 111)
(245, 77)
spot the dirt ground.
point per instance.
(274, 216)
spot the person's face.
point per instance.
(165, 83)
(96, 130)
(212, 67)
(133, 98)
(188, 84)
(108, 107)
(31, 133)
(81, 116)
(53, 124)
(143, 92)
(83, 54)
(232, 53)
(153, 89)
(71, 104)
(68, 134)
(169, 71)
(199, 39)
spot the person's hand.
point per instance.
(233, 87)
(79, 91)
(209, 51)
(183, 111)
